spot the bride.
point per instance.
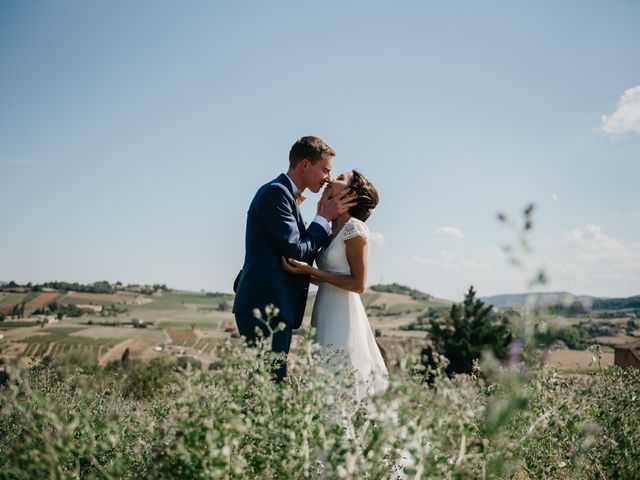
(338, 314)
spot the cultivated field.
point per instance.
(617, 340)
(102, 298)
(576, 359)
(57, 340)
(193, 323)
(11, 299)
(180, 335)
(42, 300)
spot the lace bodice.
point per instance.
(333, 258)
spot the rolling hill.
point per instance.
(547, 299)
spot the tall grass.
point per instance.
(236, 423)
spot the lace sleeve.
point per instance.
(355, 227)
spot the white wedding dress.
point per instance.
(341, 321)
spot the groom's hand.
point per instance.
(332, 208)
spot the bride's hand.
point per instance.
(324, 197)
(295, 266)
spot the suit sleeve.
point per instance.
(276, 215)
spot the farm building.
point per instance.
(140, 300)
(627, 355)
(86, 308)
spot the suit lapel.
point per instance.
(282, 178)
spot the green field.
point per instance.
(369, 298)
(157, 305)
(6, 325)
(202, 324)
(193, 298)
(67, 300)
(399, 308)
(437, 303)
(53, 349)
(62, 335)
(69, 340)
(17, 298)
(58, 340)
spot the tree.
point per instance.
(465, 335)
(4, 378)
(124, 360)
(53, 307)
(18, 310)
(575, 338)
(575, 309)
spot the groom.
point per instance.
(275, 229)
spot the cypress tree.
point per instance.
(465, 335)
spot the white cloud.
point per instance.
(605, 260)
(555, 198)
(594, 245)
(450, 262)
(377, 237)
(450, 232)
(626, 118)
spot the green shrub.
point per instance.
(186, 362)
(145, 380)
(76, 358)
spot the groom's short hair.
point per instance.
(311, 148)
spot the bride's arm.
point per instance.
(357, 249)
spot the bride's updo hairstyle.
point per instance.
(367, 197)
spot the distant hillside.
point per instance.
(616, 303)
(401, 289)
(540, 299)
(548, 299)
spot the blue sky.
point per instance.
(134, 134)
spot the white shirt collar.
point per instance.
(295, 189)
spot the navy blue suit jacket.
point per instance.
(275, 229)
